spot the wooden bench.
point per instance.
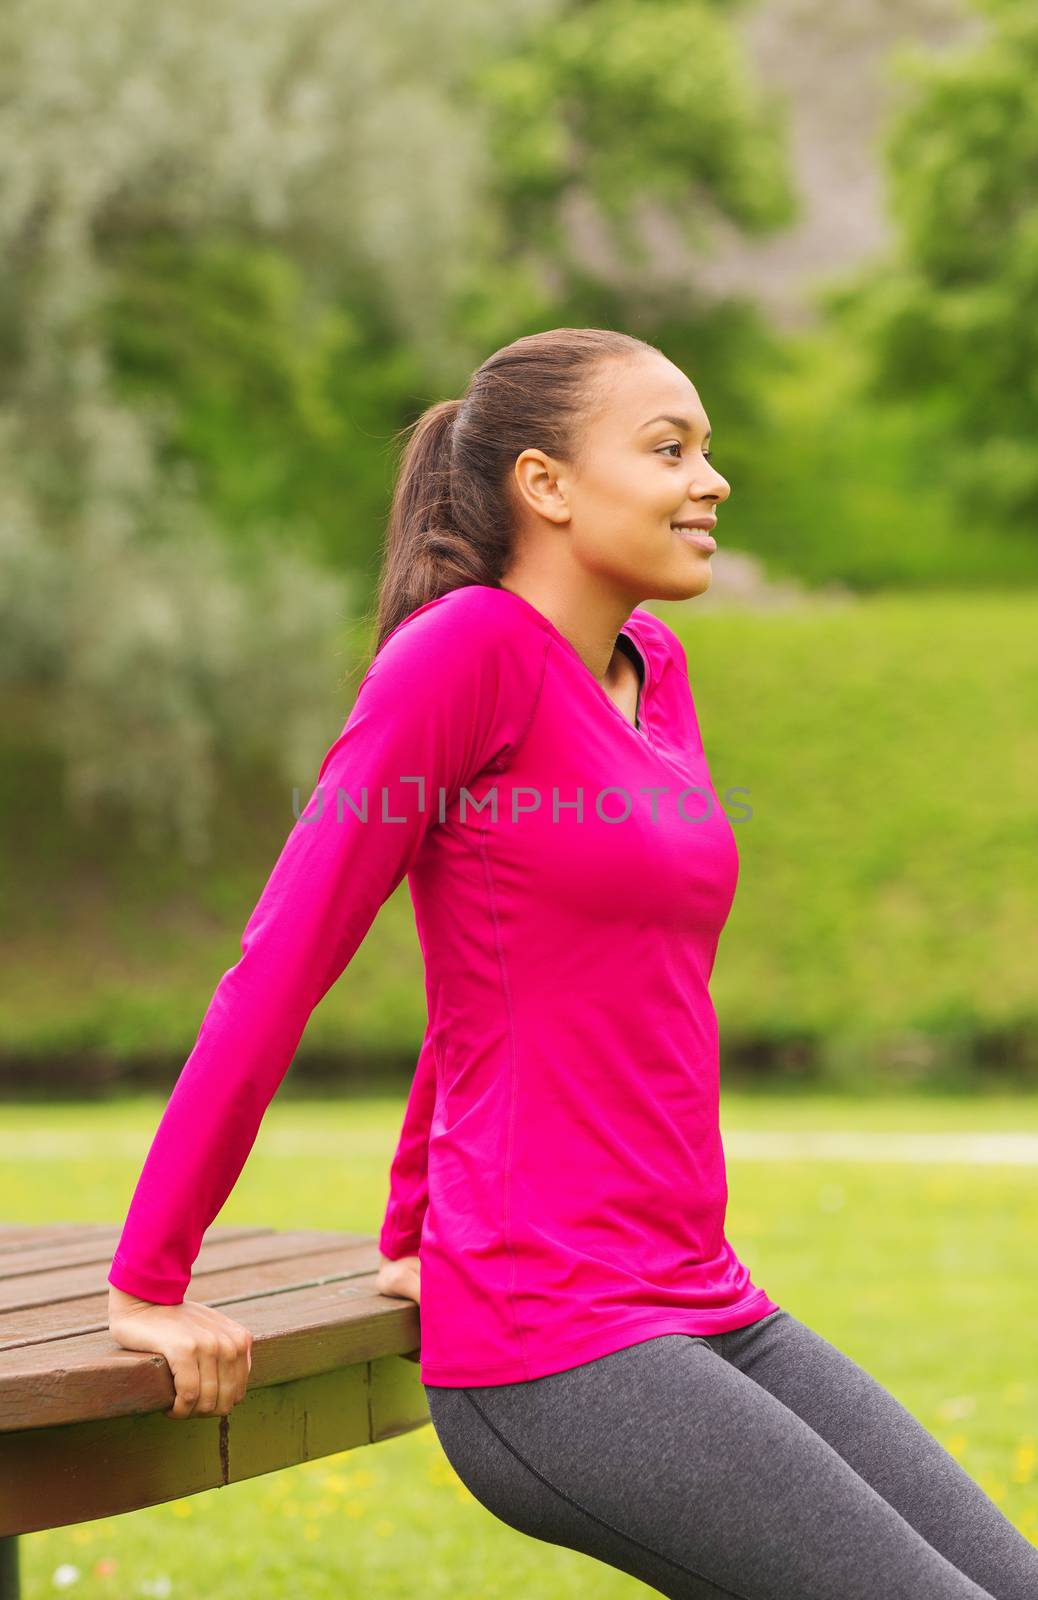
(82, 1435)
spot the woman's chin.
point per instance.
(694, 582)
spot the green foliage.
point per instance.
(950, 316)
(152, 666)
(594, 106)
(280, 398)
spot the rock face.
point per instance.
(829, 62)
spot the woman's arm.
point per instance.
(450, 693)
(401, 1233)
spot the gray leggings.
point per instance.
(760, 1464)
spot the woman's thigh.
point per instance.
(888, 1447)
(666, 1461)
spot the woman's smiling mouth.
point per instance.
(696, 531)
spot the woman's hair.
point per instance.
(451, 520)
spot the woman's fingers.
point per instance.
(228, 1379)
(209, 1355)
(234, 1361)
(187, 1381)
(400, 1278)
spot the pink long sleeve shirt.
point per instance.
(570, 875)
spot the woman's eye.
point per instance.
(676, 446)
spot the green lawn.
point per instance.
(924, 1274)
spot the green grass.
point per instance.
(924, 1275)
(889, 754)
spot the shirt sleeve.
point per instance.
(449, 695)
(401, 1233)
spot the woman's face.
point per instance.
(644, 468)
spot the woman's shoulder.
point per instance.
(472, 610)
(472, 636)
(466, 664)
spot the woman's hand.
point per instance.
(400, 1278)
(209, 1356)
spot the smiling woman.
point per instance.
(602, 1370)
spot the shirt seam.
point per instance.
(513, 1043)
(513, 1094)
(159, 1281)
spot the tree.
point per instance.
(952, 316)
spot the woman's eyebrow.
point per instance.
(679, 422)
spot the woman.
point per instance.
(601, 1370)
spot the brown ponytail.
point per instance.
(451, 520)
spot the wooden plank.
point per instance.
(296, 1333)
(90, 1312)
(53, 1305)
(44, 1255)
(54, 1476)
(15, 1237)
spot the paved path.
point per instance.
(981, 1149)
(766, 1144)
